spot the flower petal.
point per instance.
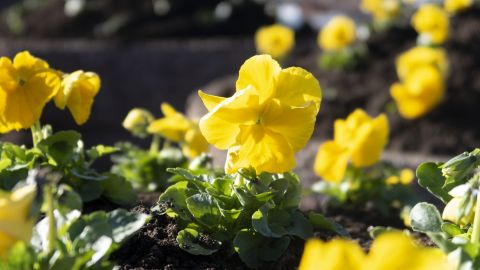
(259, 71)
(172, 128)
(221, 125)
(295, 124)
(210, 101)
(331, 161)
(264, 150)
(297, 87)
(80, 95)
(370, 141)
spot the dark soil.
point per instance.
(449, 129)
(155, 246)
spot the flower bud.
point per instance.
(461, 166)
(452, 210)
(137, 122)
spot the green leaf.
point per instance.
(293, 195)
(68, 200)
(256, 250)
(424, 217)
(452, 229)
(273, 222)
(319, 221)
(189, 240)
(99, 151)
(430, 177)
(379, 230)
(203, 207)
(60, 147)
(176, 197)
(124, 224)
(118, 190)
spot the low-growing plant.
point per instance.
(456, 183)
(175, 140)
(340, 47)
(253, 209)
(351, 168)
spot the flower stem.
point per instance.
(36, 133)
(52, 228)
(155, 145)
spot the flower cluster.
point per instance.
(27, 84)
(432, 23)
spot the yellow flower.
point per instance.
(339, 33)
(137, 121)
(359, 138)
(269, 118)
(276, 40)
(452, 210)
(390, 251)
(454, 6)
(405, 178)
(176, 127)
(421, 91)
(26, 85)
(381, 10)
(432, 22)
(77, 93)
(15, 222)
(419, 56)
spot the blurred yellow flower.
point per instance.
(431, 22)
(452, 210)
(405, 178)
(276, 40)
(77, 93)
(137, 121)
(381, 10)
(26, 85)
(269, 118)
(175, 127)
(337, 34)
(359, 139)
(420, 56)
(391, 250)
(15, 222)
(454, 6)
(420, 92)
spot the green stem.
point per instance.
(52, 228)
(36, 133)
(155, 145)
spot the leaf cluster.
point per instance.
(253, 216)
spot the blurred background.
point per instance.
(152, 51)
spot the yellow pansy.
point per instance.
(77, 93)
(26, 85)
(175, 127)
(271, 116)
(381, 10)
(455, 6)
(15, 222)
(276, 40)
(137, 121)
(337, 34)
(405, 178)
(420, 56)
(432, 22)
(359, 139)
(452, 210)
(390, 251)
(420, 92)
